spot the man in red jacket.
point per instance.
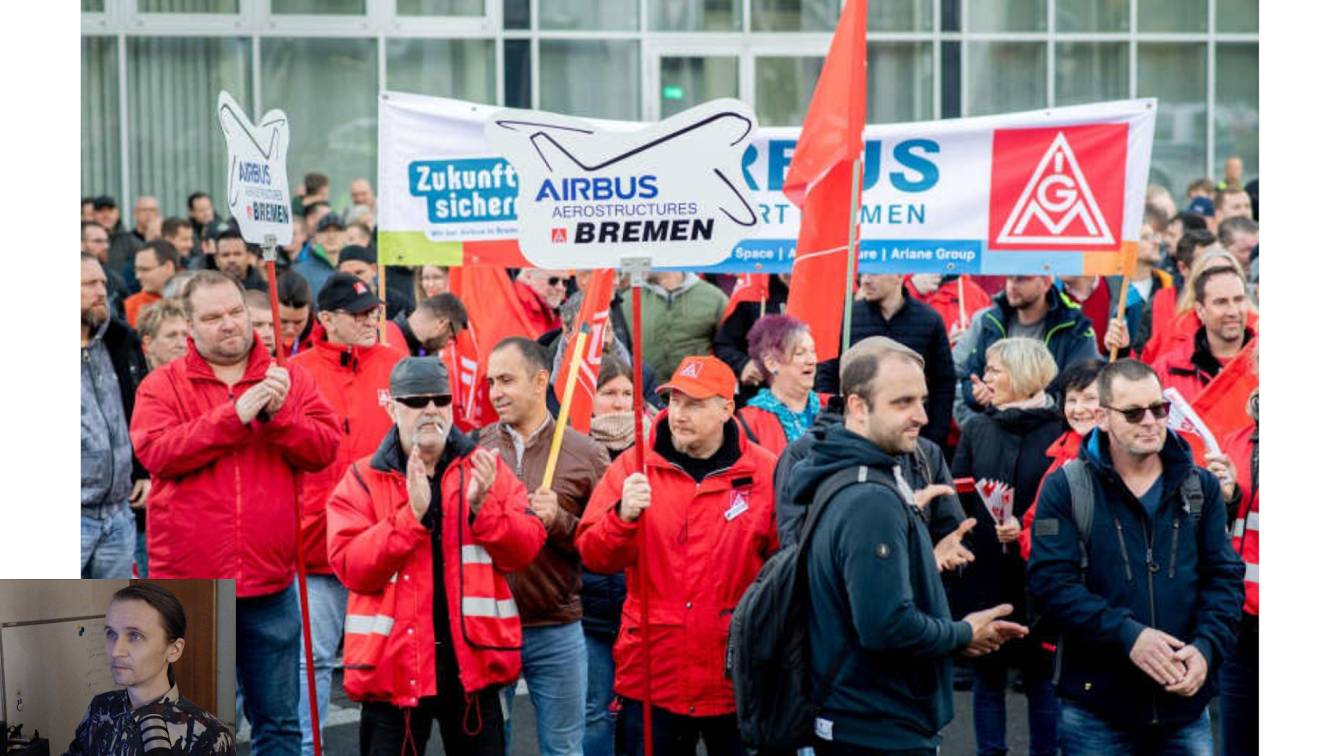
(225, 435)
(540, 292)
(422, 533)
(697, 525)
(1223, 308)
(352, 371)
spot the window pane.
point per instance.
(517, 73)
(589, 15)
(325, 86)
(99, 133)
(188, 6)
(176, 146)
(1003, 77)
(517, 14)
(901, 15)
(1005, 15)
(441, 7)
(1092, 15)
(1176, 74)
(1236, 107)
(319, 8)
(697, 15)
(794, 15)
(1168, 16)
(1238, 15)
(784, 89)
(91, 6)
(900, 82)
(461, 68)
(1091, 72)
(687, 82)
(590, 78)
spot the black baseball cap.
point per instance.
(330, 220)
(343, 291)
(358, 252)
(103, 202)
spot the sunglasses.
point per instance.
(419, 402)
(555, 281)
(1134, 415)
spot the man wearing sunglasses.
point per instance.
(422, 533)
(352, 371)
(1148, 599)
(541, 292)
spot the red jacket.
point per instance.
(352, 380)
(383, 555)
(540, 315)
(707, 541)
(1246, 525)
(1164, 318)
(1062, 450)
(224, 498)
(1189, 367)
(944, 299)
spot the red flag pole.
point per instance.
(268, 253)
(638, 267)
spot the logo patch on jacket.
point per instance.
(739, 505)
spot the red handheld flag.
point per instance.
(595, 314)
(820, 181)
(750, 287)
(1222, 403)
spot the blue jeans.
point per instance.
(268, 670)
(1082, 733)
(326, 612)
(141, 555)
(1239, 687)
(599, 732)
(106, 541)
(555, 666)
(991, 710)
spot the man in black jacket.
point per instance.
(1144, 627)
(883, 310)
(882, 658)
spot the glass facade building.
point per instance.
(150, 70)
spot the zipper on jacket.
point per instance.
(1152, 601)
(1124, 552)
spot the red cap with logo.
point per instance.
(702, 376)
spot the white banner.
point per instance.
(1057, 191)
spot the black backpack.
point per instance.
(769, 657)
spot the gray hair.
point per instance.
(1029, 365)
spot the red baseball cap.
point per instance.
(702, 376)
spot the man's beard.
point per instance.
(94, 316)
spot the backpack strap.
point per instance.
(1192, 495)
(1082, 497)
(746, 428)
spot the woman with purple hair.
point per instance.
(782, 349)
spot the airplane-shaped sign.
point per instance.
(258, 188)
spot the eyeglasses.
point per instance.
(419, 402)
(555, 280)
(1134, 415)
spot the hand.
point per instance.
(1117, 334)
(140, 493)
(928, 493)
(954, 332)
(1225, 470)
(1008, 531)
(278, 379)
(751, 375)
(253, 401)
(950, 553)
(635, 497)
(482, 477)
(980, 391)
(988, 631)
(417, 483)
(1154, 653)
(1196, 670)
(546, 504)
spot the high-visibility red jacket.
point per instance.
(382, 553)
(1189, 367)
(540, 316)
(224, 496)
(1062, 450)
(1240, 447)
(706, 542)
(352, 380)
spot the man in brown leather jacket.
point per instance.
(547, 591)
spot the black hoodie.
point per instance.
(875, 596)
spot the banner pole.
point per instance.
(638, 268)
(268, 254)
(566, 404)
(961, 301)
(1129, 260)
(850, 253)
(382, 295)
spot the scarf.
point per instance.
(795, 423)
(615, 431)
(1041, 399)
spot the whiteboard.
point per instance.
(52, 671)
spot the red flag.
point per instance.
(750, 287)
(1222, 403)
(819, 181)
(595, 314)
(466, 379)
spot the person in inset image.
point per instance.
(146, 632)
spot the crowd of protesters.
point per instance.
(1115, 573)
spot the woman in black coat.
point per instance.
(1007, 443)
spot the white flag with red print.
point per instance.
(1183, 419)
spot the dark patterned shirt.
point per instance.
(112, 727)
